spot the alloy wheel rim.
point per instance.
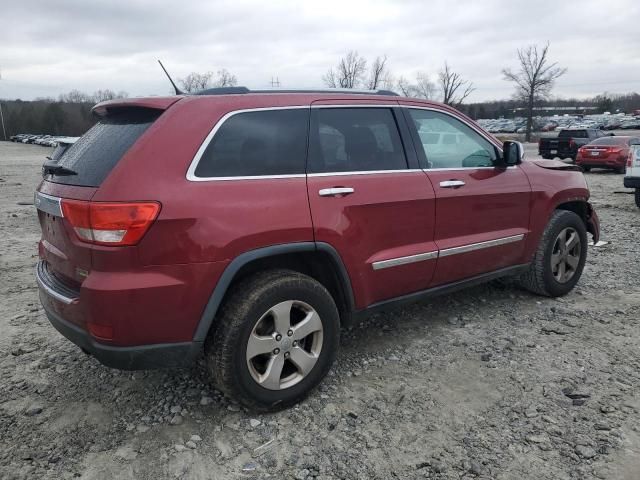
(284, 345)
(565, 256)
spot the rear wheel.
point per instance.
(559, 260)
(586, 168)
(621, 170)
(275, 339)
(637, 195)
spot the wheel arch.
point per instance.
(585, 211)
(317, 259)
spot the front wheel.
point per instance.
(274, 340)
(559, 260)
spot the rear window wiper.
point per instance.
(50, 167)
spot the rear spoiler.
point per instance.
(158, 103)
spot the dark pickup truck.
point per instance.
(567, 143)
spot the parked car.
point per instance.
(606, 152)
(632, 174)
(566, 144)
(630, 124)
(297, 214)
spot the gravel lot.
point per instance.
(491, 382)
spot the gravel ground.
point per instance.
(491, 382)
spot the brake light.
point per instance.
(614, 150)
(107, 223)
(571, 143)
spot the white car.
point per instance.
(632, 174)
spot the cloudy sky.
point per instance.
(50, 47)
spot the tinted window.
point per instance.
(268, 142)
(95, 154)
(573, 134)
(611, 141)
(449, 143)
(355, 139)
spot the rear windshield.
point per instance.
(95, 154)
(573, 134)
(610, 141)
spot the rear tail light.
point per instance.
(113, 224)
(572, 143)
(614, 150)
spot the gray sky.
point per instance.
(53, 46)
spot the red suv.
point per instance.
(248, 226)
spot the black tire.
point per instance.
(637, 195)
(226, 345)
(548, 157)
(586, 168)
(621, 170)
(539, 278)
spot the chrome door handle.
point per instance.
(335, 191)
(452, 184)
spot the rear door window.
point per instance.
(355, 139)
(258, 143)
(98, 151)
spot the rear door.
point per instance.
(482, 212)
(369, 200)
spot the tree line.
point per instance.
(533, 79)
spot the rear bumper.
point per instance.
(128, 358)
(617, 162)
(632, 182)
(67, 313)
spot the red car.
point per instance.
(249, 226)
(606, 152)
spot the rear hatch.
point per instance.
(70, 182)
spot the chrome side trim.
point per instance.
(48, 204)
(363, 172)
(50, 291)
(394, 262)
(196, 159)
(480, 245)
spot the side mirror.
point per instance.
(512, 153)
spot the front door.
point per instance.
(482, 212)
(369, 202)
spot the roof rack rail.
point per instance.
(243, 90)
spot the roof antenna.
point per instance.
(178, 91)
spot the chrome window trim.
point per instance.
(350, 105)
(394, 262)
(480, 245)
(205, 143)
(48, 204)
(190, 176)
(363, 172)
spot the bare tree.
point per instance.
(406, 89)
(195, 81)
(348, 73)
(74, 96)
(379, 75)
(107, 94)
(422, 88)
(533, 79)
(225, 79)
(454, 89)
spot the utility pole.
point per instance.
(4, 132)
(275, 83)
